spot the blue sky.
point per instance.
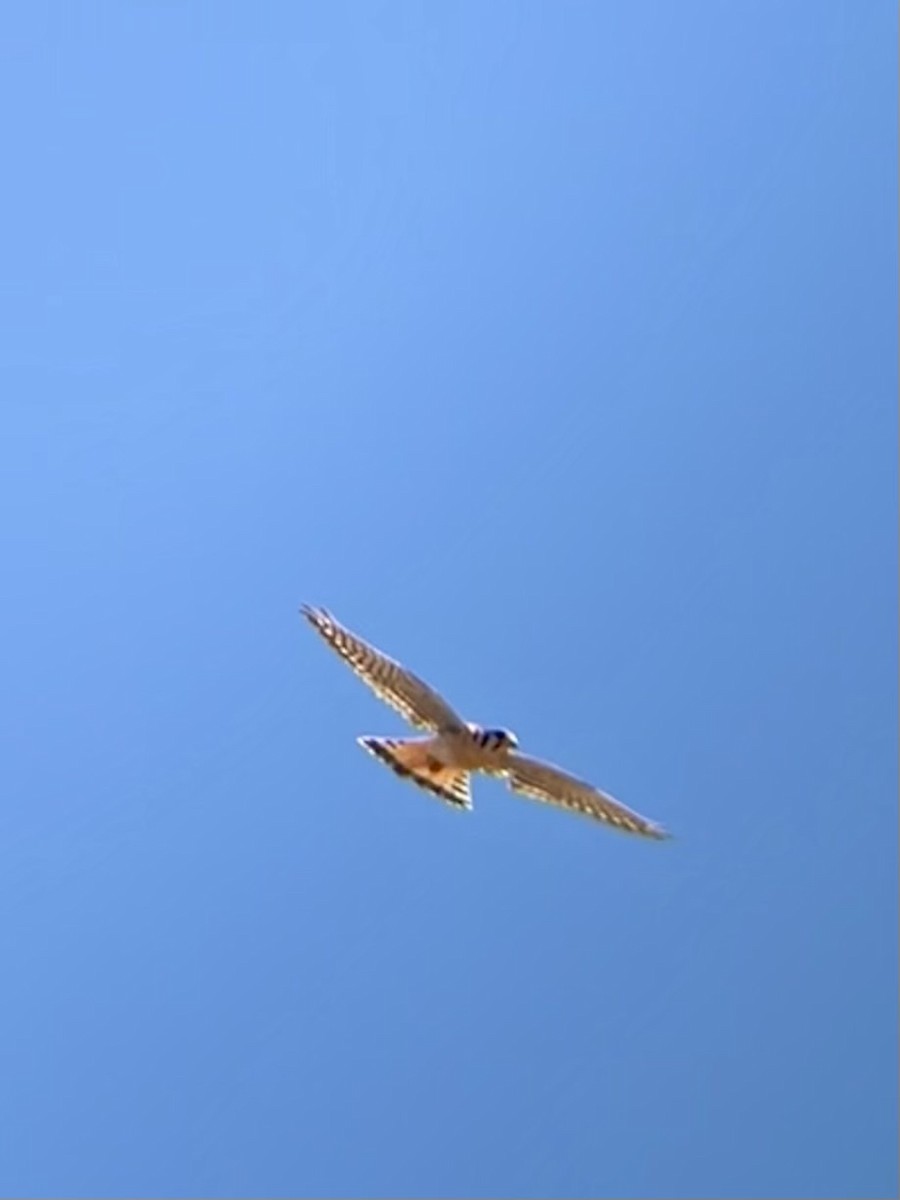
(553, 348)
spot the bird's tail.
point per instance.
(410, 759)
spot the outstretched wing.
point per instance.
(410, 696)
(542, 781)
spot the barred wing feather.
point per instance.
(542, 781)
(394, 684)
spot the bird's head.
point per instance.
(502, 737)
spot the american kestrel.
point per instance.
(442, 762)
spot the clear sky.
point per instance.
(552, 346)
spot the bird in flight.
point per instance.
(453, 749)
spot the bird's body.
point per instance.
(453, 749)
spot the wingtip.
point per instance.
(314, 615)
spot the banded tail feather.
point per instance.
(409, 759)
